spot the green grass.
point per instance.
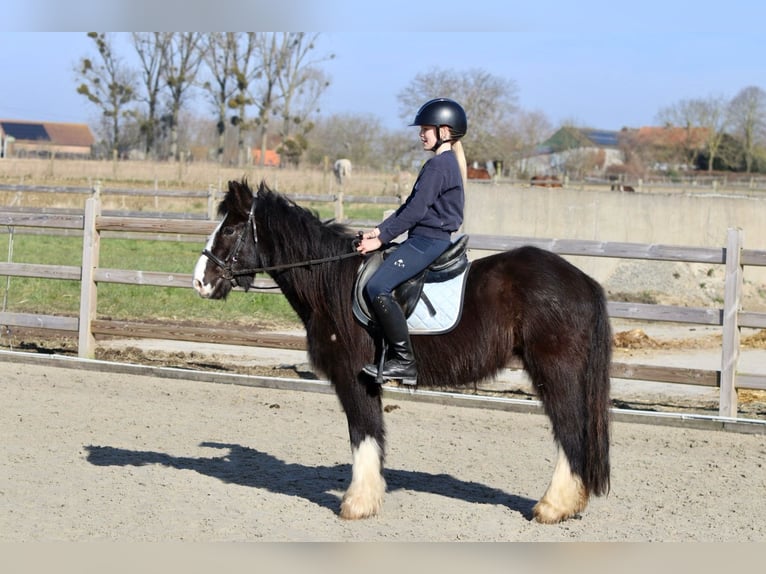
(130, 302)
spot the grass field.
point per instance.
(134, 302)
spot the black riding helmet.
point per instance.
(443, 112)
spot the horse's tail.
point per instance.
(597, 384)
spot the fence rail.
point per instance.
(92, 224)
(212, 195)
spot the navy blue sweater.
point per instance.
(434, 208)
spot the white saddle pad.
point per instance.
(446, 298)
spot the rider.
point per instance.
(431, 213)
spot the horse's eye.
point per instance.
(228, 230)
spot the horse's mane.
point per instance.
(299, 229)
(296, 228)
(289, 233)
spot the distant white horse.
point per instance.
(342, 170)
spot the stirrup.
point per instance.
(404, 380)
(380, 378)
(410, 381)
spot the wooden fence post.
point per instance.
(211, 195)
(91, 240)
(732, 297)
(339, 215)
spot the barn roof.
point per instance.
(70, 134)
(65, 134)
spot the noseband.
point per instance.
(227, 264)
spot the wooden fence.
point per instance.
(92, 224)
(211, 197)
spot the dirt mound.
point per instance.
(637, 339)
(634, 339)
(755, 341)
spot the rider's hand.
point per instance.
(368, 244)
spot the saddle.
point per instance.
(449, 268)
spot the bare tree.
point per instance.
(246, 68)
(710, 114)
(339, 136)
(713, 114)
(682, 115)
(748, 115)
(220, 58)
(285, 70)
(182, 59)
(520, 136)
(274, 50)
(301, 84)
(110, 85)
(151, 48)
(488, 100)
(401, 152)
(270, 46)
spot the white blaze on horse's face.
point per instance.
(203, 288)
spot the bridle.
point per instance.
(227, 265)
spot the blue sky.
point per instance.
(597, 63)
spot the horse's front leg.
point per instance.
(364, 497)
(363, 407)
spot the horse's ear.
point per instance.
(241, 196)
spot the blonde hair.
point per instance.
(457, 147)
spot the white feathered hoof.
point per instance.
(565, 497)
(547, 512)
(361, 503)
(364, 497)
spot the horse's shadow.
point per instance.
(250, 467)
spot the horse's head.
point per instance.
(231, 250)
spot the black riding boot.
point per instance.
(401, 363)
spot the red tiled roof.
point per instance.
(69, 134)
(671, 136)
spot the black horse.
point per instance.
(526, 303)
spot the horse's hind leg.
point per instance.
(364, 497)
(566, 495)
(556, 381)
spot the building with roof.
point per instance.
(45, 139)
(575, 151)
(668, 147)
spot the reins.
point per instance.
(229, 273)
